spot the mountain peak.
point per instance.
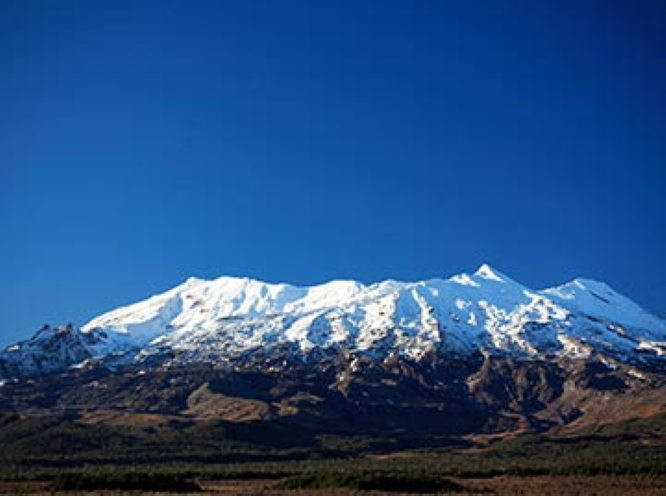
(191, 282)
(485, 271)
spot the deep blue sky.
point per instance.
(144, 142)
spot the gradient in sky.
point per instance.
(143, 142)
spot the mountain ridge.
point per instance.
(226, 318)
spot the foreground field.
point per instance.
(503, 485)
(53, 456)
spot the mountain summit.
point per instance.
(228, 319)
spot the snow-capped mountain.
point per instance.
(228, 318)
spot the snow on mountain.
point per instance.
(229, 317)
(597, 300)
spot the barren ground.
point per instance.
(542, 486)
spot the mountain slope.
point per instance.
(228, 319)
(475, 354)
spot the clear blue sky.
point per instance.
(143, 142)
